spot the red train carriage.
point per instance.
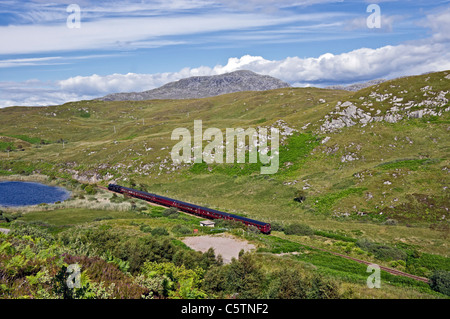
(190, 208)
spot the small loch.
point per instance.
(29, 193)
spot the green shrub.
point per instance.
(7, 146)
(171, 212)
(159, 231)
(382, 252)
(223, 223)
(181, 229)
(334, 236)
(116, 199)
(440, 281)
(90, 189)
(277, 226)
(145, 229)
(411, 164)
(102, 218)
(300, 196)
(325, 203)
(288, 284)
(298, 229)
(21, 229)
(322, 288)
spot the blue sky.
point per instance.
(139, 45)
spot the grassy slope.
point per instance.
(347, 198)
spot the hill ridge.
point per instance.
(204, 86)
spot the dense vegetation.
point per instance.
(34, 264)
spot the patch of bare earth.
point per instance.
(224, 245)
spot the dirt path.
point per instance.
(225, 245)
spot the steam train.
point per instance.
(209, 213)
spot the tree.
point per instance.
(208, 259)
(244, 277)
(215, 281)
(288, 284)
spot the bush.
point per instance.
(145, 229)
(8, 217)
(171, 212)
(116, 199)
(382, 252)
(89, 189)
(277, 227)
(288, 284)
(300, 196)
(159, 231)
(181, 229)
(440, 281)
(223, 223)
(19, 229)
(244, 276)
(298, 229)
(322, 288)
(136, 251)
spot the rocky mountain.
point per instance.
(204, 86)
(356, 86)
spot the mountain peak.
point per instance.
(204, 86)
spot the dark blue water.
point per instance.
(26, 193)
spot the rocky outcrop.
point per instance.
(348, 114)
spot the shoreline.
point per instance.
(37, 179)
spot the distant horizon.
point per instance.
(53, 53)
(342, 87)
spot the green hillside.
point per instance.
(367, 166)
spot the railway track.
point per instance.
(386, 269)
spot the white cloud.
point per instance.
(358, 65)
(135, 32)
(439, 23)
(50, 60)
(35, 93)
(387, 23)
(414, 57)
(8, 63)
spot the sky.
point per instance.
(55, 52)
